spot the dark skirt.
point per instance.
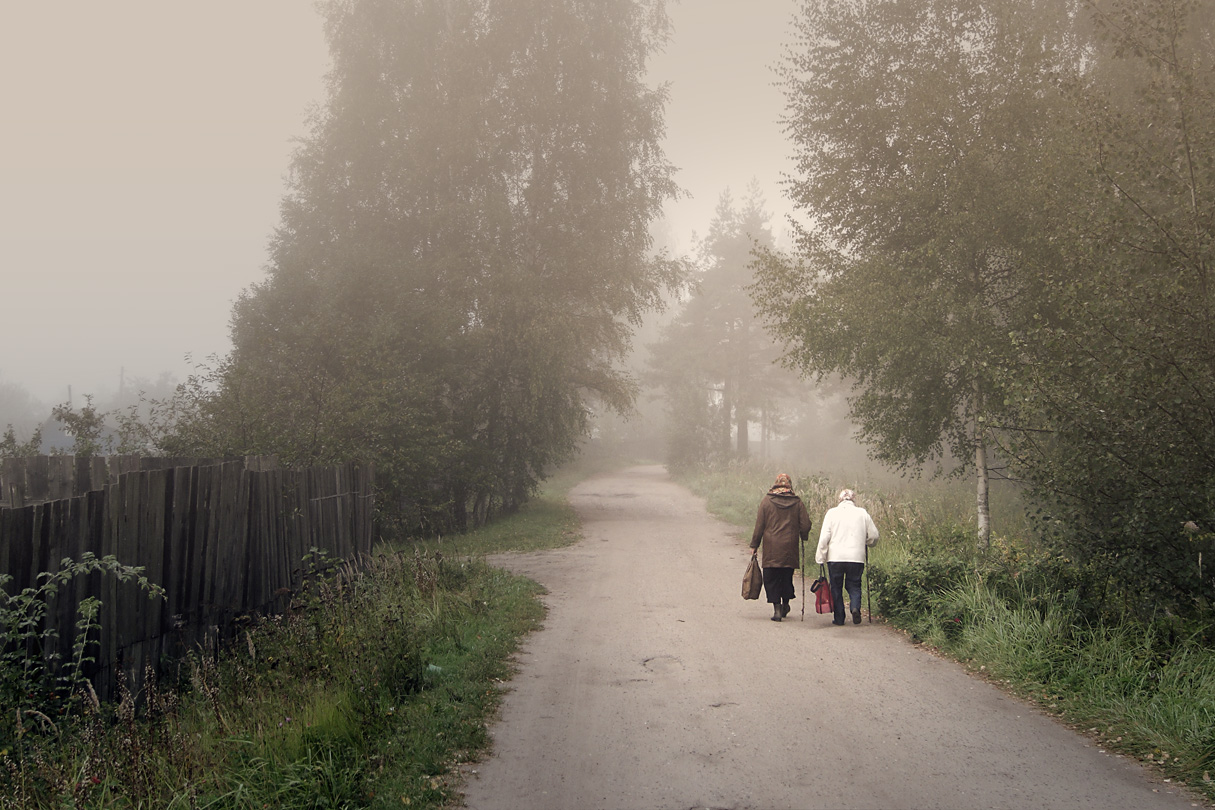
(778, 584)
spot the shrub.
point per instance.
(34, 680)
(907, 587)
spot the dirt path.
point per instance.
(653, 685)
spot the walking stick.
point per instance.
(802, 564)
(865, 580)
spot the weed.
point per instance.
(35, 680)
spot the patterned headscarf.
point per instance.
(783, 485)
(847, 495)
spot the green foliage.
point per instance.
(542, 523)
(694, 434)
(134, 434)
(86, 427)
(35, 682)
(134, 421)
(908, 512)
(1140, 689)
(463, 249)
(916, 585)
(923, 134)
(1011, 249)
(909, 587)
(11, 448)
(917, 130)
(365, 694)
(1115, 389)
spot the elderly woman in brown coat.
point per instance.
(781, 522)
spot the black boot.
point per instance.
(776, 614)
(784, 608)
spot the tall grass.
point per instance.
(545, 522)
(364, 695)
(1138, 692)
(901, 506)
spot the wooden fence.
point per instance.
(225, 540)
(25, 481)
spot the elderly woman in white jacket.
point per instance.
(847, 533)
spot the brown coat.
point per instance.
(780, 522)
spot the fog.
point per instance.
(145, 145)
(141, 164)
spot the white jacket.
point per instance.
(847, 530)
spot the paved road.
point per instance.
(654, 686)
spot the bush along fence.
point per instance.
(226, 541)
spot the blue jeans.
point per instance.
(843, 574)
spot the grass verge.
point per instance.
(545, 522)
(367, 694)
(363, 696)
(732, 492)
(1133, 689)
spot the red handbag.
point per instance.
(821, 589)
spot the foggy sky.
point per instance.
(144, 145)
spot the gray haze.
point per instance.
(144, 147)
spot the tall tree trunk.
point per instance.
(763, 432)
(982, 474)
(744, 431)
(983, 491)
(726, 420)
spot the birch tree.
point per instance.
(919, 127)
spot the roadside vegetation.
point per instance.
(369, 693)
(1071, 638)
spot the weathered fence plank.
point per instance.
(225, 539)
(37, 476)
